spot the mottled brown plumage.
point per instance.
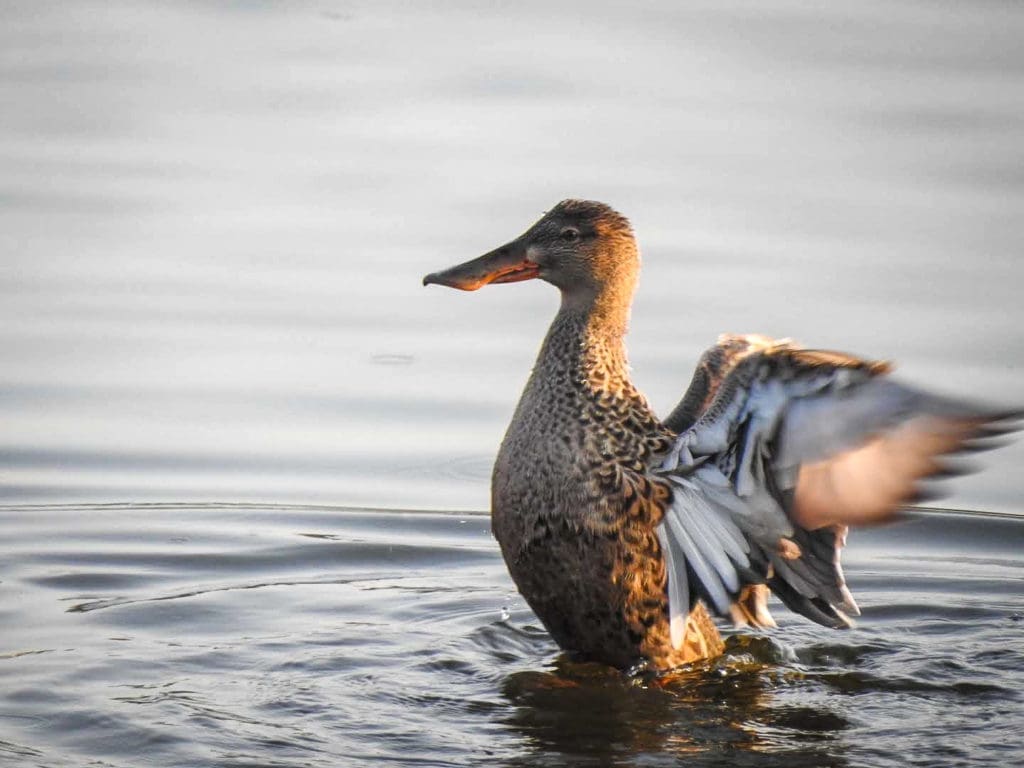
(618, 527)
(574, 504)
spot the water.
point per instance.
(228, 635)
(244, 455)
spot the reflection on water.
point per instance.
(721, 712)
(213, 221)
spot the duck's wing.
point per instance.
(712, 368)
(782, 448)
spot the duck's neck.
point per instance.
(591, 332)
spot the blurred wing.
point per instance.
(788, 448)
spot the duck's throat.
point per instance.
(605, 322)
(591, 344)
(603, 364)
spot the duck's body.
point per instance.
(617, 527)
(573, 504)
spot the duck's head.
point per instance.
(583, 247)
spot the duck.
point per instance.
(629, 536)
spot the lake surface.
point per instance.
(244, 455)
(258, 635)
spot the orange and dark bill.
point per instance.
(507, 264)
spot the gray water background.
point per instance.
(215, 352)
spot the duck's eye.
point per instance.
(569, 234)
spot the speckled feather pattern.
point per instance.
(575, 505)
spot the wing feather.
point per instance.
(678, 587)
(709, 579)
(781, 448)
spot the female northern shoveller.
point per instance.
(622, 530)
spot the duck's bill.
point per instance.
(508, 264)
